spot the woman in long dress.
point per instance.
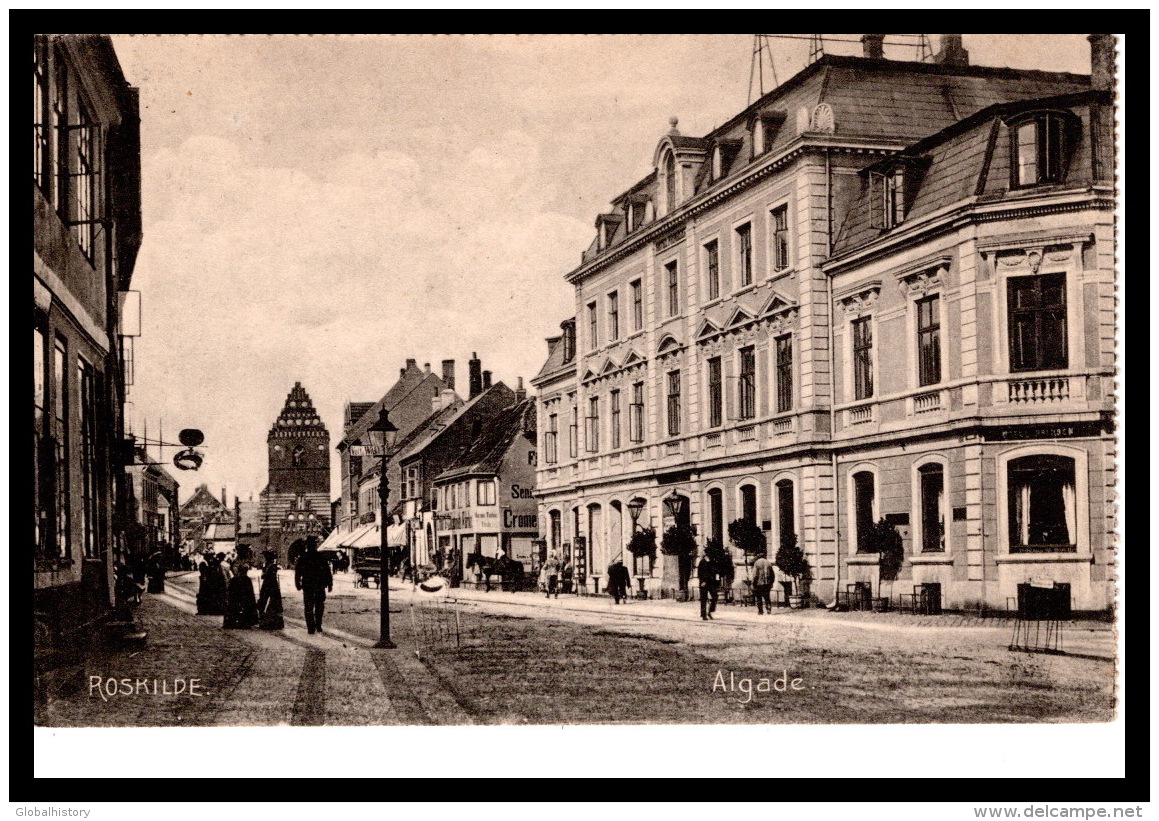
(156, 571)
(210, 588)
(241, 609)
(270, 595)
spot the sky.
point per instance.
(320, 208)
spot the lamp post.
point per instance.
(634, 509)
(382, 437)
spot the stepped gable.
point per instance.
(298, 416)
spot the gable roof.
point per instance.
(445, 420)
(485, 454)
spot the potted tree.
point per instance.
(643, 543)
(884, 540)
(678, 543)
(748, 537)
(791, 562)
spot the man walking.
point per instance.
(551, 574)
(312, 576)
(762, 584)
(709, 584)
(618, 580)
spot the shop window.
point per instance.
(1037, 314)
(716, 514)
(748, 503)
(785, 512)
(1042, 508)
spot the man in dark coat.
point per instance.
(618, 580)
(706, 575)
(312, 576)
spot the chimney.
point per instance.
(474, 369)
(952, 53)
(873, 46)
(410, 363)
(224, 503)
(447, 398)
(486, 379)
(520, 393)
(427, 367)
(449, 373)
(1102, 61)
(401, 373)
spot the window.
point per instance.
(412, 482)
(1039, 149)
(929, 345)
(637, 305)
(1042, 510)
(669, 182)
(784, 353)
(716, 514)
(712, 269)
(615, 400)
(592, 434)
(593, 326)
(89, 406)
(863, 504)
(80, 172)
(41, 128)
(41, 444)
(780, 220)
(862, 358)
(573, 431)
(485, 491)
(674, 403)
(748, 503)
(715, 394)
(932, 489)
(636, 413)
(786, 529)
(555, 529)
(747, 384)
(569, 340)
(1037, 308)
(613, 316)
(893, 197)
(673, 280)
(60, 397)
(744, 253)
(551, 441)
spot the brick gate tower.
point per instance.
(296, 500)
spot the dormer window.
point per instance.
(764, 131)
(893, 197)
(717, 165)
(1039, 147)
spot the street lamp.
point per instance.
(382, 436)
(677, 506)
(635, 507)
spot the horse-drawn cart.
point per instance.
(367, 566)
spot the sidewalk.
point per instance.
(194, 673)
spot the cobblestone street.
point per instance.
(517, 658)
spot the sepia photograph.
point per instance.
(682, 379)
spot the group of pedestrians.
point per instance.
(225, 589)
(709, 577)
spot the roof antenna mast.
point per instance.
(757, 66)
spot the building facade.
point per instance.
(485, 500)
(755, 319)
(158, 517)
(86, 233)
(296, 500)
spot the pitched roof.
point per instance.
(442, 422)
(555, 359)
(413, 379)
(485, 454)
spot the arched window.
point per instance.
(716, 514)
(864, 502)
(932, 500)
(556, 529)
(748, 503)
(669, 182)
(1042, 511)
(298, 454)
(786, 516)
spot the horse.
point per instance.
(510, 572)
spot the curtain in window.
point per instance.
(1069, 512)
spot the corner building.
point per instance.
(755, 332)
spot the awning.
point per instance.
(331, 541)
(351, 537)
(367, 537)
(396, 535)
